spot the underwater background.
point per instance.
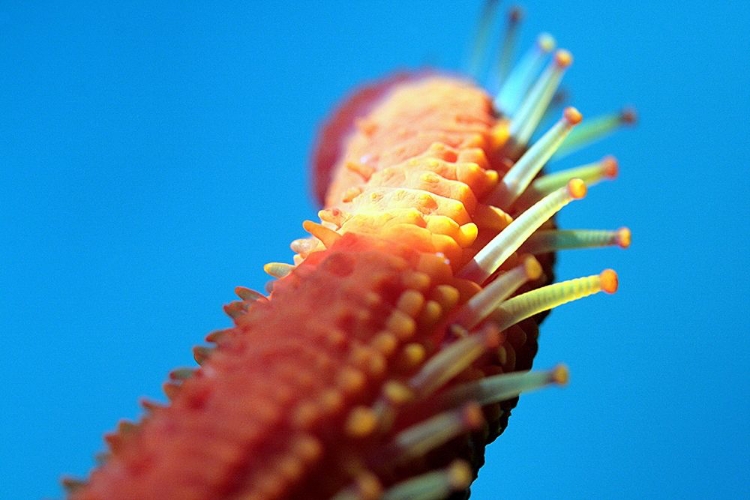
(152, 158)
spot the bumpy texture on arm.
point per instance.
(393, 350)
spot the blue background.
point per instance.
(152, 158)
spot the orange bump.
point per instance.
(377, 365)
(327, 236)
(410, 302)
(492, 338)
(416, 280)
(576, 189)
(290, 468)
(351, 193)
(368, 487)
(411, 356)
(500, 134)
(361, 422)
(532, 268)
(269, 484)
(608, 279)
(367, 127)
(623, 237)
(472, 416)
(368, 359)
(447, 296)
(351, 380)
(572, 115)
(467, 235)
(361, 169)
(385, 342)
(611, 167)
(307, 448)
(563, 58)
(431, 313)
(401, 324)
(459, 474)
(397, 393)
(335, 216)
(305, 415)
(502, 355)
(560, 375)
(434, 266)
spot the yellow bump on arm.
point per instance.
(440, 224)
(350, 380)
(401, 324)
(445, 295)
(361, 169)
(434, 266)
(454, 209)
(467, 235)
(623, 237)
(410, 302)
(431, 313)
(333, 216)
(278, 269)
(608, 281)
(471, 175)
(410, 356)
(492, 218)
(326, 236)
(416, 280)
(397, 393)
(362, 421)
(306, 447)
(426, 202)
(351, 193)
(386, 342)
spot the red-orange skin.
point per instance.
(264, 415)
(333, 133)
